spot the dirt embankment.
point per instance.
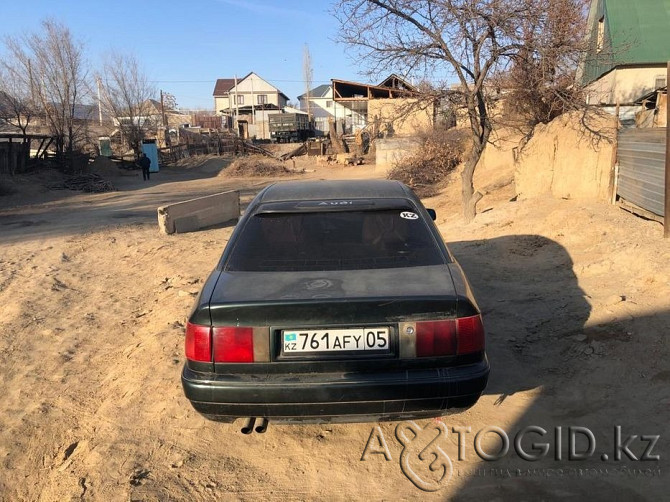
(575, 301)
(571, 157)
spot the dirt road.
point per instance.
(576, 301)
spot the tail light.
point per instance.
(198, 345)
(233, 344)
(463, 335)
(435, 338)
(470, 334)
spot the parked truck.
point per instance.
(289, 127)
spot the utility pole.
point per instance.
(99, 101)
(237, 110)
(307, 74)
(163, 109)
(253, 106)
(666, 217)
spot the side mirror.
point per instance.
(432, 213)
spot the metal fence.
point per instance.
(641, 180)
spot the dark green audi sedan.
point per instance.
(335, 301)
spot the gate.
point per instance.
(641, 178)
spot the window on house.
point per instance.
(240, 99)
(601, 34)
(329, 104)
(659, 82)
(262, 99)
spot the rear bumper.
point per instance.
(336, 397)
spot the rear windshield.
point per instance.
(348, 240)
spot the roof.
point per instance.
(5, 106)
(347, 91)
(320, 91)
(636, 32)
(397, 82)
(290, 109)
(7, 134)
(6, 127)
(90, 112)
(650, 95)
(223, 85)
(329, 190)
(641, 27)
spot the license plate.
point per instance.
(336, 340)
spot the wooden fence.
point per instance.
(209, 145)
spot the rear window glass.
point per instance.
(334, 241)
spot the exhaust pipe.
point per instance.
(248, 426)
(262, 425)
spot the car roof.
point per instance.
(332, 190)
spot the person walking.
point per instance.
(145, 164)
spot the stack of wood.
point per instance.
(336, 141)
(92, 183)
(300, 150)
(249, 146)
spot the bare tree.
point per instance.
(466, 40)
(170, 101)
(16, 104)
(53, 64)
(126, 92)
(542, 81)
(16, 109)
(307, 74)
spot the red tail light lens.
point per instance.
(435, 338)
(233, 345)
(470, 334)
(463, 335)
(198, 346)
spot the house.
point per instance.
(629, 47)
(173, 118)
(652, 109)
(322, 107)
(246, 103)
(393, 107)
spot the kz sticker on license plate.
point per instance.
(335, 340)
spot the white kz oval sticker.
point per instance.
(409, 216)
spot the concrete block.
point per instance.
(186, 224)
(194, 214)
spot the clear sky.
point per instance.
(185, 46)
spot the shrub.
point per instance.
(438, 154)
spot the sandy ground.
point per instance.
(575, 298)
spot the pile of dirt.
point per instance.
(257, 165)
(439, 153)
(104, 166)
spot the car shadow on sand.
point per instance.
(580, 370)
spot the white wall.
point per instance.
(321, 112)
(251, 87)
(624, 85)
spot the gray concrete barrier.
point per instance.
(194, 214)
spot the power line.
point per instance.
(209, 81)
